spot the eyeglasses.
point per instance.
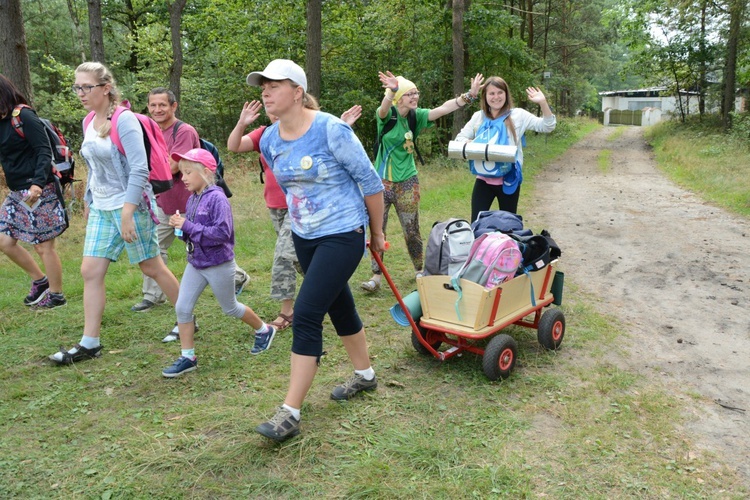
(412, 94)
(85, 89)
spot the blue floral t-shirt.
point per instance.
(324, 174)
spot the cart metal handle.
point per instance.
(400, 300)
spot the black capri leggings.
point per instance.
(328, 263)
(484, 194)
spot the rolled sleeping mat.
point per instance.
(482, 152)
(415, 309)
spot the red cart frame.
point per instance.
(486, 312)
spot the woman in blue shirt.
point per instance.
(332, 191)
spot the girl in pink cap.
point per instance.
(208, 231)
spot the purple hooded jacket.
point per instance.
(208, 229)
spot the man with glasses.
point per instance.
(180, 137)
(395, 157)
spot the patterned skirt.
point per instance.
(45, 222)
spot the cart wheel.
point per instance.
(429, 336)
(499, 357)
(551, 329)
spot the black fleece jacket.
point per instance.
(25, 161)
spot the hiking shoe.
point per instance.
(143, 306)
(181, 366)
(281, 427)
(38, 291)
(75, 354)
(50, 301)
(263, 340)
(351, 387)
(175, 333)
(240, 285)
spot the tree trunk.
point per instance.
(703, 65)
(132, 25)
(175, 69)
(77, 26)
(313, 47)
(459, 64)
(14, 56)
(736, 11)
(96, 33)
(530, 23)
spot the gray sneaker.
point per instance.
(281, 427)
(240, 285)
(351, 387)
(143, 306)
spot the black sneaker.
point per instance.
(38, 291)
(50, 301)
(74, 355)
(174, 333)
(357, 383)
(281, 427)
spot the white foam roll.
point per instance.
(482, 152)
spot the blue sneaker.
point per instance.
(263, 340)
(182, 365)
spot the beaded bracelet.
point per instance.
(468, 98)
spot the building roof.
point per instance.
(646, 92)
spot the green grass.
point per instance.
(604, 160)
(702, 159)
(566, 424)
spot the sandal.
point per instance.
(284, 323)
(80, 354)
(371, 285)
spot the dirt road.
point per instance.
(674, 269)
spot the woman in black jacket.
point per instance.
(32, 212)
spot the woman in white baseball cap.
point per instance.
(333, 192)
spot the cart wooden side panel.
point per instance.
(482, 311)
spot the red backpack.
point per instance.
(159, 170)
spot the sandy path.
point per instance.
(674, 269)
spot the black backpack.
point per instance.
(538, 250)
(411, 117)
(208, 146)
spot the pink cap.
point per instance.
(198, 155)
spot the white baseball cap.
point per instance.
(279, 69)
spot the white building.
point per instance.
(654, 104)
(634, 100)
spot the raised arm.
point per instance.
(390, 83)
(536, 95)
(452, 105)
(238, 142)
(351, 115)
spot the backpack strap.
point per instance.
(174, 130)
(113, 135)
(411, 117)
(386, 128)
(15, 119)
